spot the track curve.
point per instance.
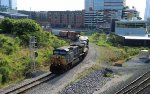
(57, 84)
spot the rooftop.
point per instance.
(131, 21)
(14, 14)
(146, 37)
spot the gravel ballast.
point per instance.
(88, 84)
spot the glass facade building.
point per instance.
(147, 10)
(114, 4)
(13, 4)
(94, 5)
(99, 13)
(4, 3)
(8, 4)
(104, 4)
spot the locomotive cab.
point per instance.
(59, 60)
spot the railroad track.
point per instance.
(30, 85)
(137, 86)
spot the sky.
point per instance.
(61, 5)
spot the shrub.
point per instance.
(7, 26)
(3, 62)
(19, 27)
(118, 54)
(8, 44)
(4, 71)
(95, 37)
(25, 26)
(0, 79)
(115, 40)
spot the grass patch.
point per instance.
(108, 75)
(112, 49)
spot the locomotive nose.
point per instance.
(58, 64)
(58, 60)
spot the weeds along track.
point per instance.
(30, 85)
(137, 86)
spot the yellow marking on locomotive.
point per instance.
(58, 60)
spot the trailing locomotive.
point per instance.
(66, 57)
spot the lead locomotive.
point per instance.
(64, 58)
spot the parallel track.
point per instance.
(142, 89)
(137, 86)
(31, 85)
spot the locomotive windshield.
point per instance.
(59, 52)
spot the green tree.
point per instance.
(7, 25)
(25, 26)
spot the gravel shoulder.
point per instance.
(132, 70)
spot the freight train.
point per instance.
(72, 35)
(64, 58)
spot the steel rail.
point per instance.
(125, 89)
(30, 85)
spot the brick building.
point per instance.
(58, 19)
(73, 19)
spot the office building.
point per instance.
(147, 10)
(94, 5)
(99, 13)
(13, 4)
(6, 5)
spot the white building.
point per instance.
(133, 31)
(130, 28)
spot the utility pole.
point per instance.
(33, 53)
(30, 12)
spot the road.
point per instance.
(57, 84)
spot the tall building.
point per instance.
(147, 10)
(98, 13)
(114, 4)
(6, 5)
(13, 4)
(91, 5)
